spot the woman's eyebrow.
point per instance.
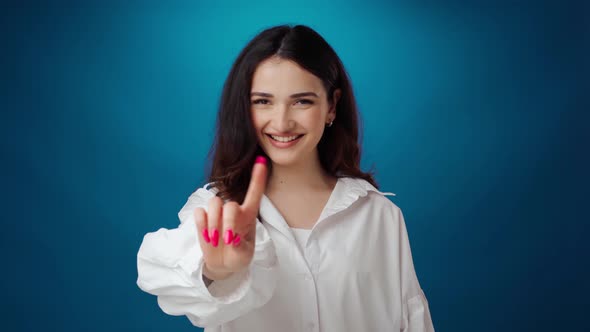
(304, 94)
(295, 95)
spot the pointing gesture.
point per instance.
(236, 223)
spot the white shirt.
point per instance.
(355, 273)
(301, 235)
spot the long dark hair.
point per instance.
(236, 144)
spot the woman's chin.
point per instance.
(284, 158)
(283, 161)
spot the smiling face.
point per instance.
(289, 110)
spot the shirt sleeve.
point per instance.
(415, 310)
(170, 263)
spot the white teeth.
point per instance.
(284, 139)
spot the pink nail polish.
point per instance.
(236, 240)
(206, 235)
(215, 238)
(228, 238)
(261, 160)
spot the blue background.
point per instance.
(475, 114)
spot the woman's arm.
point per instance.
(415, 310)
(170, 266)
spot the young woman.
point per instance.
(303, 240)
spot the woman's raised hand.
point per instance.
(227, 233)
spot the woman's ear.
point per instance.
(335, 98)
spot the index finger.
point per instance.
(257, 185)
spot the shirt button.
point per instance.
(310, 325)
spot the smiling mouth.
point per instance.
(284, 139)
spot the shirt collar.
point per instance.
(345, 193)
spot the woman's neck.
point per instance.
(300, 177)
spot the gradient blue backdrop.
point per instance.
(475, 115)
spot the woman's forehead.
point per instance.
(281, 77)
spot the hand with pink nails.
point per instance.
(227, 232)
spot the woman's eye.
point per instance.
(305, 101)
(260, 101)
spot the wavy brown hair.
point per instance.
(236, 146)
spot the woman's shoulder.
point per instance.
(204, 193)
(199, 198)
(356, 188)
(375, 201)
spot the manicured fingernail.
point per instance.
(206, 235)
(261, 160)
(228, 237)
(236, 240)
(215, 238)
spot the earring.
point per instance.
(330, 124)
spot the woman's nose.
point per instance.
(284, 122)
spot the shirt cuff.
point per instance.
(418, 314)
(226, 291)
